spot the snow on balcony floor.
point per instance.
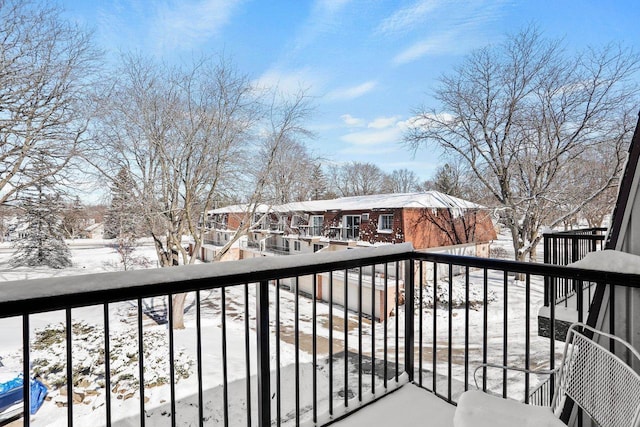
(409, 406)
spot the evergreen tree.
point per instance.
(44, 243)
(318, 183)
(447, 181)
(122, 218)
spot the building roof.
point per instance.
(427, 199)
(241, 208)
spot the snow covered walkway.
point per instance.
(409, 406)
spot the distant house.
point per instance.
(426, 219)
(93, 231)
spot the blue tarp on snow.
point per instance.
(11, 394)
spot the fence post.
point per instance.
(547, 260)
(409, 292)
(263, 368)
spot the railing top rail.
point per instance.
(38, 295)
(536, 269)
(578, 232)
(575, 236)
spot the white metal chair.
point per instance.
(598, 381)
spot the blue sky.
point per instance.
(368, 63)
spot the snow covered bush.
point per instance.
(458, 296)
(49, 358)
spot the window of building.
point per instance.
(317, 247)
(364, 217)
(350, 226)
(296, 220)
(385, 223)
(316, 225)
(296, 245)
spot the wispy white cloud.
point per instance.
(380, 131)
(164, 26)
(383, 122)
(364, 150)
(447, 42)
(353, 92)
(290, 81)
(331, 6)
(351, 121)
(187, 24)
(323, 17)
(407, 18)
(375, 137)
(445, 27)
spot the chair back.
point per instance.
(601, 383)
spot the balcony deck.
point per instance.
(262, 353)
(407, 407)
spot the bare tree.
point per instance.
(74, 218)
(401, 181)
(282, 124)
(186, 135)
(291, 176)
(46, 66)
(522, 115)
(357, 179)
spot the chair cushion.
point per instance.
(478, 409)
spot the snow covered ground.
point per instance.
(93, 256)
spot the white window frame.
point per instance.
(351, 231)
(316, 226)
(382, 229)
(296, 245)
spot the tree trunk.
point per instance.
(178, 310)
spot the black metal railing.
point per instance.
(261, 353)
(564, 248)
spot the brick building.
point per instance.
(425, 219)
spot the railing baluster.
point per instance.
(141, 363)
(505, 330)
(172, 379)
(552, 337)
(69, 368)
(434, 369)
(421, 283)
(409, 320)
(384, 320)
(296, 339)
(527, 336)
(346, 338)
(397, 316)
(247, 353)
(450, 332)
(199, 359)
(26, 371)
(225, 360)
(485, 325)
(278, 362)
(331, 343)
(107, 364)
(466, 328)
(360, 334)
(612, 316)
(579, 299)
(264, 371)
(373, 329)
(314, 334)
